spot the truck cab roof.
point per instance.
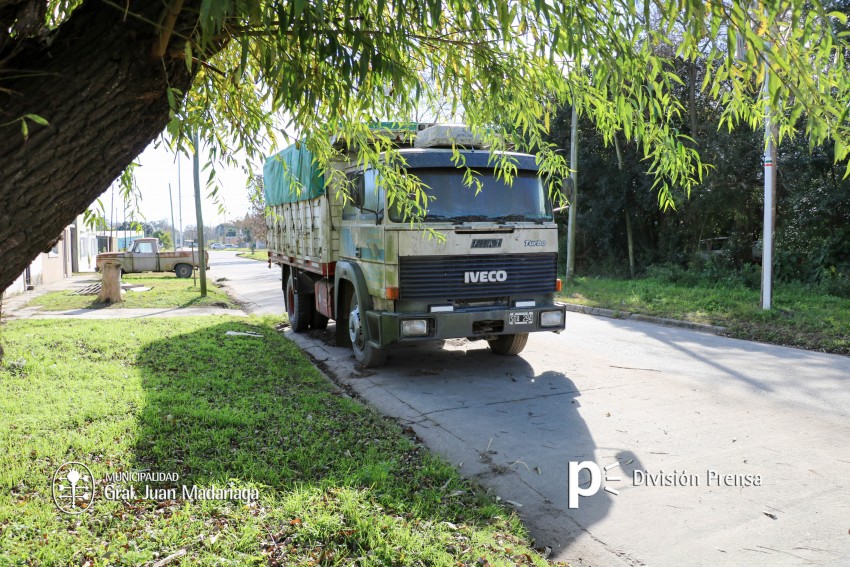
(442, 157)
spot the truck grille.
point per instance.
(460, 277)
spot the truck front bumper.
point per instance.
(388, 328)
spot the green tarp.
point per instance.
(283, 172)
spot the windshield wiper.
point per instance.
(516, 217)
(469, 218)
(484, 218)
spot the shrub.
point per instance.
(835, 283)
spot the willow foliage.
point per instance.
(329, 67)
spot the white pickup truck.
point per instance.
(145, 256)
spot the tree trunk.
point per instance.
(110, 283)
(630, 242)
(105, 97)
(692, 98)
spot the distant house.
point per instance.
(84, 248)
(50, 266)
(117, 240)
(75, 251)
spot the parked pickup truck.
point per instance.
(145, 256)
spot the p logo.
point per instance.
(574, 483)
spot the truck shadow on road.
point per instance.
(513, 427)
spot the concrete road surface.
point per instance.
(721, 452)
(251, 282)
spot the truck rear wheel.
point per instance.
(183, 270)
(298, 307)
(509, 345)
(366, 354)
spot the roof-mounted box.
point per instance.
(448, 135)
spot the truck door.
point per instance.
(362, 234)
(143, 257)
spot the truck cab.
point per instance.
(143, 256)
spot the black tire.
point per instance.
(183, 270)
(509, 345)
(298, 310)
(366, 354)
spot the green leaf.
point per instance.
(187, 54)
(840, 16)
(37, 119)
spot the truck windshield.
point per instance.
(523, 200)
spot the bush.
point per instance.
(674, 274)
(708, 270)
(751, 276)
(835, 283)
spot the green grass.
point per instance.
(338, 484)
(261, 255)
(801, 317)
(166, 291)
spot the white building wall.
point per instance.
(37, 270)
(18, 286)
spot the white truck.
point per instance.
(146, 256)
(385, 282)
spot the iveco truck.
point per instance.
(384, 281)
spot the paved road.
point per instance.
(651, 399)
(252, 283)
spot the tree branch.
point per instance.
(172, 12)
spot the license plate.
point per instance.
(522, 318)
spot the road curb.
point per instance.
(614, 314)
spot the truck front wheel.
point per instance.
(509, 345)
(183, 270)
(298, 310)
(366, 354)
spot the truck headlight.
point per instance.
(552, 318)
(414, 328)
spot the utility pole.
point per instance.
(179, 200)
(196, 170)
(769, 172)
(769, 189)
(571, 224)
(173, 228)
(112, 233)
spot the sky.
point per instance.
(158, 167)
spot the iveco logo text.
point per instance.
(483, 277)
(535, 243)
(487, 243)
